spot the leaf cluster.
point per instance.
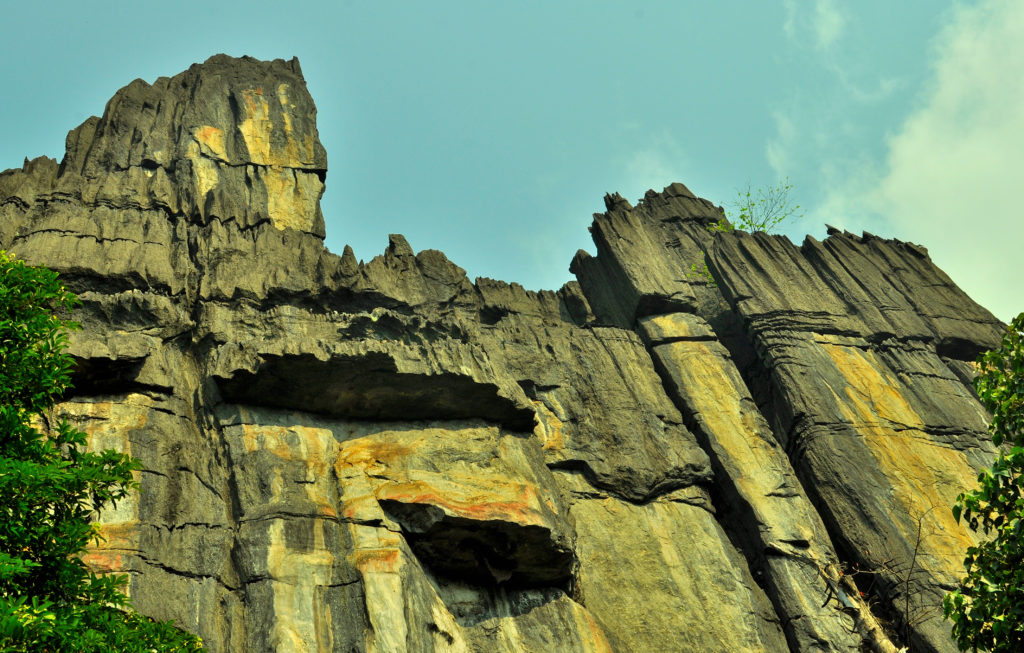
(51, 488)
(762, 209)
(701, 272)
(987, 609)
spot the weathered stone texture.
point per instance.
(386, 456)
(881, 430)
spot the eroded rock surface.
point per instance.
(386, 456)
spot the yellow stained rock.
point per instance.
(211, 142)
(925, 475)
(206, 175)
(292, 193)
(257, 126)
(875, 395)
(593, 638)
(295, 576)
(741, 438)
(676, 557)
(292, 196)
(548, 428)
(315, 447)
(675, 325)
(109, 425)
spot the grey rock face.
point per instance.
(386, 456)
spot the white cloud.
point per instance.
(789, 25)
(955, 168)
(647, 167)
(823, 22)
(778, 150)
(828, 23)
(659, 164)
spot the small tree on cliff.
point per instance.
(765, 209)
(987, 609)
(762, 209)
(50, 488)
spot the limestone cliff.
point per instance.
(386, 456)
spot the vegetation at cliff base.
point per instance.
(51, 488)
(987, 609)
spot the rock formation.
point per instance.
(386, 456)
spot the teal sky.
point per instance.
(492, 130)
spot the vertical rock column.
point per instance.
(136, 218)
(656, 251)
(882, 431)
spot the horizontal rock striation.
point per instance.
(385, 456)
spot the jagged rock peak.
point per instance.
(616, 202)
(233, 139)
(675, 189)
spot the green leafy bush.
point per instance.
(987, 609)
(51, 488)
(760, 210)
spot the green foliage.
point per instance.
(761, 210)
(51, 488)
(701, 272)
(987, 609)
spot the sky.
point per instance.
(492, 130)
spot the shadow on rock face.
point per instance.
(484, 570)
(369, 387)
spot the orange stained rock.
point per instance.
(211, 142)
(103, 562)
(373, 455)
(512, 502)
(107, 555)
(592, 635)
(376, 560)
(311, 444)
(326, 509)
(360, 507)
(118, 535)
